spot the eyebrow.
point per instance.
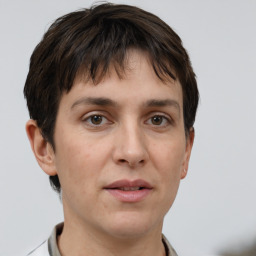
(101, 101)
(163, 103)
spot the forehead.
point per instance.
(138, 80)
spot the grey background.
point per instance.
(215, 208)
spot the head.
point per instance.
(87, 44)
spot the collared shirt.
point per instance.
(50, 247)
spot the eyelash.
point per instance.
(89, 121)
(165, 121)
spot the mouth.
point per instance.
(129, 184)
(129, 191)
(130, 188)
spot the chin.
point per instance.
(132, 225)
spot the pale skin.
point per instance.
(130, 128)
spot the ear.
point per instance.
(189, 145)
(41, 148)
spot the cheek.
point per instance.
(79, 162)
(170, 166)
(168, 157)
(78, 168)
(168, 160)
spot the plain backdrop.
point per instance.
(215, 208)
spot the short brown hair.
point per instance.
(88, 41)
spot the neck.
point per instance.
(78, 240)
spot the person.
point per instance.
(112, 98)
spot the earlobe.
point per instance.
(189, 145)
(41, 148)
(183, 174)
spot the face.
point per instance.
(121, 150)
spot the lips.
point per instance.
(129, 184)
(129, 191)
(130, 188)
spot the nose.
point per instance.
(130, 147)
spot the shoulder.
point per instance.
(49, 247)
(41, 250)
(168, 247)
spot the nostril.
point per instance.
(131, 163)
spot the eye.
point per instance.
(96, 120)
(159, 120)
